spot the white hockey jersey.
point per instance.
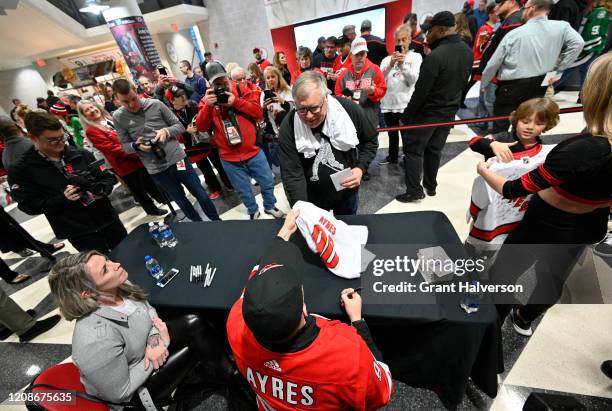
(337, 243)
(495, 216)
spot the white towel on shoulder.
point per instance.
(338, 126)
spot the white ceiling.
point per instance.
(36, 29)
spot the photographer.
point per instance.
(205, 150)
(232, 111)
(276, 101)
(149, 128)
(59, 181)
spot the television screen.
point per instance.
(307, 34)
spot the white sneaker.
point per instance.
(255, 216)
(275, 212)
(520, 326)
(604, 248)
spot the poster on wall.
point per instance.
(136, 45)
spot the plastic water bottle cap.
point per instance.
(147, 257)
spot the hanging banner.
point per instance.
(136, 44)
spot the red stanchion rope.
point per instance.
(579, 109)
(469, 121)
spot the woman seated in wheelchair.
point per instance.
(125, 353)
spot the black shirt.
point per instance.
(377, 48)
(297, 170)
(327, 66)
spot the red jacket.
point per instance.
(105, 139)
(248, 112)
(348, 63)
(263, 64)
(318, 377)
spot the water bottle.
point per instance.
(470, 303)
(168, 236)
(153, 267)
(156, 234)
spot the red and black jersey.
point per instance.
(579, 169)
(482, 145)
(510, 23)
(335, 371)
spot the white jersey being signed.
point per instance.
(495, 216)
(337, 243)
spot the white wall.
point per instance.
(24, 83)
(237, 26)
(184, 50)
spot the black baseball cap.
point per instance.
(273, 298)
(443, 19)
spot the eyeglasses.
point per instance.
(302, 111)
(54, 140)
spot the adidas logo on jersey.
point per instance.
(273, 365)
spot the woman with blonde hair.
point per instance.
(569, 209)
(276, 101)
(101, 134)
(123, 350)
(280, 62)
(463, 29)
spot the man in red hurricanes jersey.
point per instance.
(293, 359)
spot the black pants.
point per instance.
(422, 152)
(143, 188)
(192, 342)
(510, 95)
(6, 273)
(103, 240)
(393, 120)
(551, 239)
(467, 88)
(209, 174)
(13, 240)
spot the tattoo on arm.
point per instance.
(153, 341)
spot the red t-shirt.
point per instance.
(336, 371)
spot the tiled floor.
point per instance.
(563, 355)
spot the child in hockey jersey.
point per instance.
(513, 153)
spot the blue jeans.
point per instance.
(486, 100)
(240, 174)
(171, 180)
(583, 68)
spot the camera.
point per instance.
(222, 98)
(155, 148)
(86, 181)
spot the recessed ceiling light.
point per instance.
(71, 50)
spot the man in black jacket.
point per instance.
(570, 11)
(377, 48)
(437, 95)
(322, 137)
(57, 180)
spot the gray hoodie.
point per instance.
(153, 115)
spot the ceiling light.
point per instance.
(93, 7)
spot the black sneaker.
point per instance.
(6, 333)
(41, 326)
(520, 326)
(431, 193)
(606, 368)
(604, 248)
(387, 160)
(255, 216)
(409, 198)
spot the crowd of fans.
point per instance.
(252, 125)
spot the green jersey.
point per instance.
(594, 31)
